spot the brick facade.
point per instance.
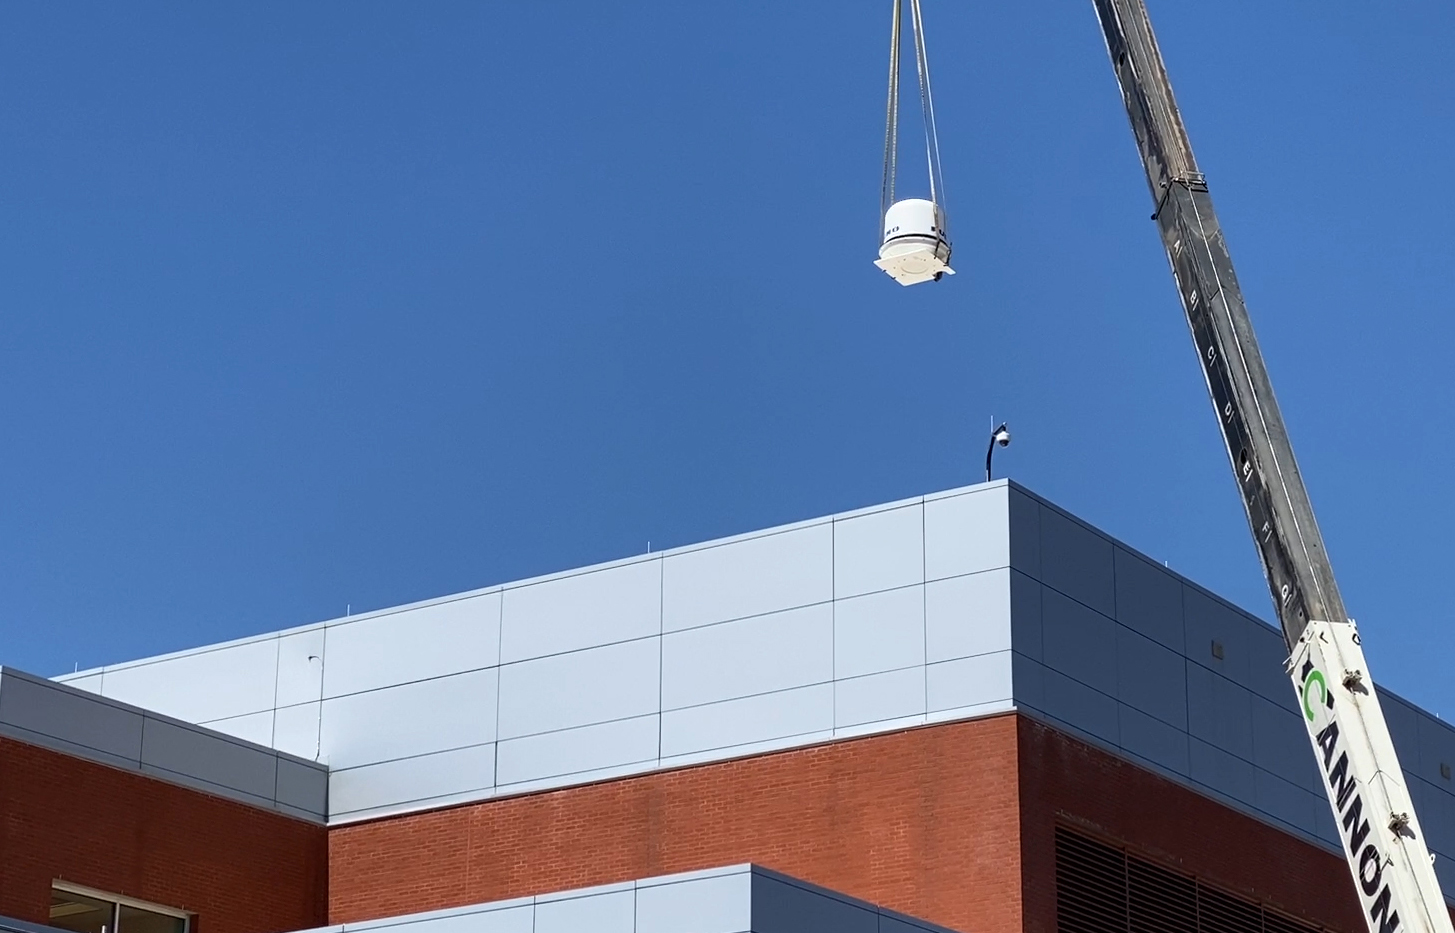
(952, 823)
(239, 868)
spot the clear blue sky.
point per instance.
(307, 306)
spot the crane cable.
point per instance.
(927, 107)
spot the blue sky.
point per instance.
(315, 306)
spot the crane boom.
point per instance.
(1391, 864)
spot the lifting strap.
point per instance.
(927, 106)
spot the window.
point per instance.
(82, 910)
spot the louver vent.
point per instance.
(1102, 889)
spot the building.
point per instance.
(968, 711)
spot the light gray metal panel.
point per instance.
(966, 682)
(254, 727)
(183, 750)
(1153, 739)
(303, 787)
(204, 686)
(969, 615)
(1151, 678)
(427, 777)
(1149, 600)
(414, 644)
(749, 720)
(757, 655)
(879, 551)
(879, 697)
(503, 917)
(412, 719)
(91, 683)
(300, 667)
(1285, 801)
(607, 912)
(577, 689)
(1079, 642)
(780, 906)
(1025, 533)
(1212, 627)
(1437, 747)
(1220, 712)
(748, 577)
(966, 533)
(68, 714)
(1081, 707)
(1077, 561)
(586, 610)
(1281, 745)
(295, 730)
(879, 632)
(1215, 768)
(721, 904)
(574, 751)
(1025, 615)
(1027, 682)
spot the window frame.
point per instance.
(118, 901)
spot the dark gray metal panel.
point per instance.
(208, 757)
(302, 787)
(783, 907)
(70, 715)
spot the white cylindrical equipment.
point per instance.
(915, 247)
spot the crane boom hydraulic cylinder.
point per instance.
(1383, 843)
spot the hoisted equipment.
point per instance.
(915, 247)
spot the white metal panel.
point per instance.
(1220, 713)
(1079, 642)
(966, 682)
(721, 904)
(966, 533)
(586, 610)
(412, 719)
(426, 777)
(193, 753)
(91, 683)
(748, 720)
(1081, 707)
(1152, 739)
(415, 644)
(611, 912)
(254, 727)
(749, 577)
(1151, 678)
(577, 689)
(295, 730)
(203, 686)
(757, 655)
(966, 616)
(879, 697)
(879, 632)
(573, 751)
(1077, 561)
(879, 551)
(300, 667)
(1149, 600)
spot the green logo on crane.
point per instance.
(1309, 681)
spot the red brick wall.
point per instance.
(1066, 780)
(242, 870)
(921, 821)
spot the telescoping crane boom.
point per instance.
(1383, 842)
